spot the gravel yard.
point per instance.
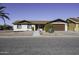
(30, 33)
(11, 33)
(61, 33)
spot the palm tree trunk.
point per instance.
(4, 27)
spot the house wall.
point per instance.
(66, 27)
(77, 27)
(24, 28)
(71, 26)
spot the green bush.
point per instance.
(1, 27)
(49, 28)
(32, 28)
(5, 27)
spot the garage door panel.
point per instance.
(59, 27)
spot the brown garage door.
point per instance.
(59, 27)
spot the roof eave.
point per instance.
(73, 21)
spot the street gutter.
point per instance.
(35, 36)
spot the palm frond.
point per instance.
(4, 13)
(2, 7)
(5, 16)
(1, 11)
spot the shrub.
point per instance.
(1, 27)
(32, 28)
(5, 27)
(49, 28)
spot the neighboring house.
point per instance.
(23, 25)
(73, 24)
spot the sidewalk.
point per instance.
(36, 33)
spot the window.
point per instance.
(29, 26)
(19, 26)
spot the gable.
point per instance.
(57, 21)
(22, 22)
(69, 21)
(74, 20)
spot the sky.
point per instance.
(40, 11)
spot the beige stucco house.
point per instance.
(73, 24)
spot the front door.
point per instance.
(39, 26)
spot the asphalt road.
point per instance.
(40, 46)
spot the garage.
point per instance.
(59, 27)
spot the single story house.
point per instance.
(23, 25)
(73, 24)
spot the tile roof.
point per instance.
(24, 22)
(57, 20)
(39, 22)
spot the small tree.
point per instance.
(49, 28)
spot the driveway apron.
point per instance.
(36, 33)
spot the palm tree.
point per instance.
(3, 15)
